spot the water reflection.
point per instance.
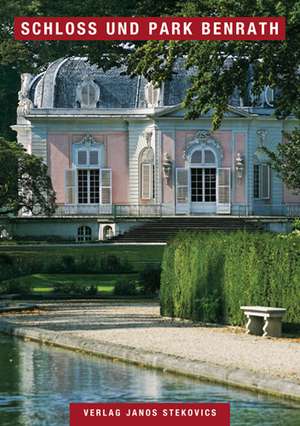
(38, 382)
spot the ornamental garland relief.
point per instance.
(202, 139)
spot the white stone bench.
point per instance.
(263, 321)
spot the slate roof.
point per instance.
(56, 87)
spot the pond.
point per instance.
(37, 382)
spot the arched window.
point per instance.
(107, 232)
(203, 175)
(203, 156)
(84, 233)
(147, 174)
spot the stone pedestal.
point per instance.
(272, 327)
(254, 325)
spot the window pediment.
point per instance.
(88, 153)
(212, 149)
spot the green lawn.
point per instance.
(45, 283)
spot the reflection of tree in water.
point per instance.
(38, 382)
(9, 378)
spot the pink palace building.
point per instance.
(119, 151)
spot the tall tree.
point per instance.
(24, 181)
(33, 56)
(219, 66)
(286, 159)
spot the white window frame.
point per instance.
(88, 151)
(203, 165)
(223, 208)
(147, 193)
(203, 191)
(105, 186)
(85, 234)
(88, 170)
(181, 205)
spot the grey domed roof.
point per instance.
(56, 87)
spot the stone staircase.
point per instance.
(163, 229)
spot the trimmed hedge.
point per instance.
(14, 266)
(208, 276)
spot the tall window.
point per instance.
(262, 181)
(87, 158)
(203, 185)
(203, 174)
(147, 174)
(88, 184)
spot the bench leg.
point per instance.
(254, 325)
(272, 327)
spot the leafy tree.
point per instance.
(222, 66)
(33, 56)
(24, 182)
(286, 160)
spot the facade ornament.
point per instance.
(26, 79)
(147, 155)
(269, 96)
(203, 139)
(203, 135)
(25, 104)
(87, 91)
(24, 107)
(239, 166)
(148, 137)
(153, 95)
(262, 136)
(167, 166)
(88, 141)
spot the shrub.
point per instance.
(150, 280)
(296, 224)
(5, 260)
(87, 265)
(75, 289)
(68, 264)
(125, 288)
(112, 264)
(16, 286)
(27, 263)
(208, 276)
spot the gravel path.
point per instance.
(139, 326)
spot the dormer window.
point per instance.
(153, 95)
(87, 93)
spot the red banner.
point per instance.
(169, 28)
(135, 414)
